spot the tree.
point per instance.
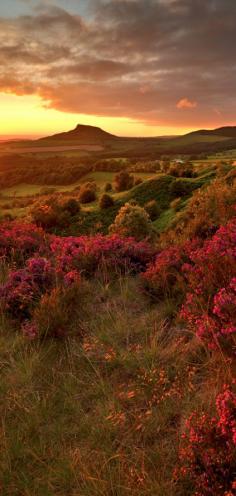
(123, 181)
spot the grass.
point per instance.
(165, 219)
(86, 417)
(101, 178)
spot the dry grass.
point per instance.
(102, 415)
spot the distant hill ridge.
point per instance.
(93, 134)
(227, 131)
(83, 133)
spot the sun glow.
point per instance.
(28, 116)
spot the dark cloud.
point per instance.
(166, 62)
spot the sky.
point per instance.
(132, 67)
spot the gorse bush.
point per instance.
(207, 209)
(132, 220)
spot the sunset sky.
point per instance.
(132, 67)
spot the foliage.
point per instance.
(106, 201)
(208, 448)
(87, 195)
(72, 206)
(132, 220)
(19, 241)
(209, 307)
(152, 209)
(123, 181)
(108, 187)
(54, 213)
(91, 255)
(208, 208)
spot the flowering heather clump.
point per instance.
(88, 255)
(164, 277)
(20, 241)
(209, 307)
(208, 449)
(24, 287)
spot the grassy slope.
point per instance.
(92, 418)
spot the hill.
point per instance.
(227, 131)
(82, 134)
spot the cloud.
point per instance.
(130, 58)
(185, 103)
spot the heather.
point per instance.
(200, 276)
(117, 362)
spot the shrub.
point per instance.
(90, 255)
(59, 313)
(181, 187)
(164, 278)
(19, 241)
(108, 187)
(72, 206)
(106, 201)
(123, 181)
(207, 209)
(209, 308)
(132, 220)
(207, 451)
(51, 214)
(24, 287)
(87, 195)
(152, 209)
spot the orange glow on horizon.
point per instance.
(27, 116)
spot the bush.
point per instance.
(207, 453)
(164, 278)
(51, 214)
(108, 187)
(72, 206)
(152, 209)
(209, 307)
(20, 241)
(132, 220)
(87, 195)
(52, 318)
(207, 209)
(92, 254)
(181, 187)
(123, 181)
(106, 201)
